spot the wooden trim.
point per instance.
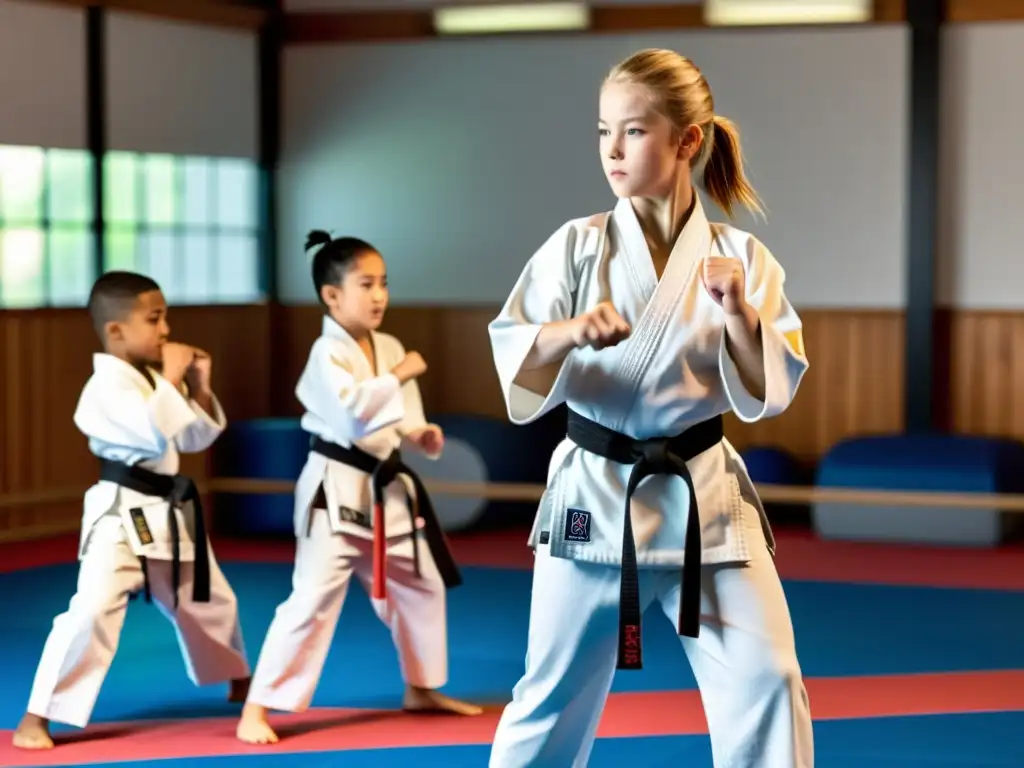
(966, 11)
(370, 26)
(633, 18)
(889, 11)
(314, 27)
(318, 27)
(217, 13)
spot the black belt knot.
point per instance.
(388, 470)
(176, 490)
(655, 452)
(652, 456)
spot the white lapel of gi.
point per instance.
(663, 297)
(112, 367)
(354, 361)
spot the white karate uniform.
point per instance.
(351, 403)
(672, 373)
(128, 420)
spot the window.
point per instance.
(47, 256)
(190, 223)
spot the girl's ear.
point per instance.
(330, 295)
(690, 143)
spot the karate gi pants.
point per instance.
(744, 662)
(295, 649)
(83, 640)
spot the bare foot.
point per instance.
(253, 727)
(33, 733)
(427, 700)
(239, 690)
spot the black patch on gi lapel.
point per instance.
(349, 515)
(577, 525)
(141, 526)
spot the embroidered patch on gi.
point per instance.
(141, 526)
(349, 515)
(577, 525)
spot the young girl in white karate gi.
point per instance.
(362, 404)
(147, 401)
(650, 323)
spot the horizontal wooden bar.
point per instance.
(218, 13)
(531, 492)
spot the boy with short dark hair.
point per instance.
(147, 401)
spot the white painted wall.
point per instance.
(457, 158)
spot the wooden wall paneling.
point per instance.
(987, 373)
(297, 328)
(40, 449)
(470, 380)
(853, 385)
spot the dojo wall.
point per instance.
(459, 171)
(172, 87)
(981, 243)
(372, 129)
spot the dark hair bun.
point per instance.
(317, 237)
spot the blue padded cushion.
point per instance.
(955, 463)
(512, 454)
(768, 464)
(264, 449)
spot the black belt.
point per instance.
(176, 490)
(382, 474)
(654, 456)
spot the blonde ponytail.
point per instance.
(724, 178)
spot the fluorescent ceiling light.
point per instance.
(534, 17)
(767, 12)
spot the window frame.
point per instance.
(101, 227)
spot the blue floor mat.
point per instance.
(841, 630)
